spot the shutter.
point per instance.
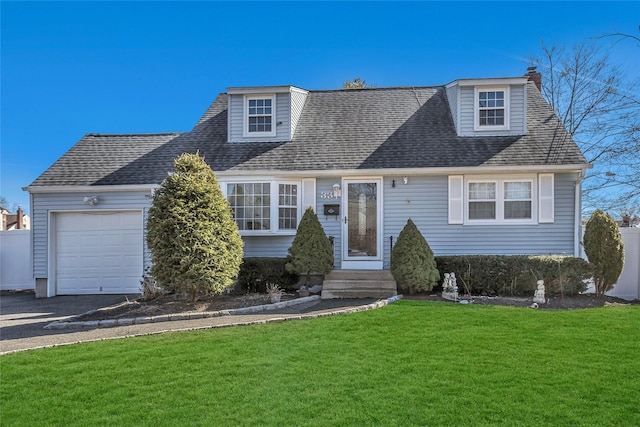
(308, 194)
(456, 199)
(545, 197)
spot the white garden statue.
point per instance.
(450, 287)
(538, 295)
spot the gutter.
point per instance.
(468, 170)
(577, 235)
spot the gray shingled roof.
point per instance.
(385, 128)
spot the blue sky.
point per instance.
(71, 68)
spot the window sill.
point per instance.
(501, 222)
(267, 233)
(490, 128)
(259, 134)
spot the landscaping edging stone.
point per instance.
(109, 323)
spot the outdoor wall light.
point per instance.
(405, 180)
(92, 200)
(337, 191)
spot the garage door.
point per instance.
(98, 253)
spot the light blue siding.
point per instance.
(266, 246)
(332, 224)
(281, 120)
(43, 204)
(424, 200)
(517, 113)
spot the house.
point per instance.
(482, 166)
(17, 221)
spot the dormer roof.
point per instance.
(374, 129)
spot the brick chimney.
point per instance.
(534, 76)
(19, 219)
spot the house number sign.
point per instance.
(327, 195)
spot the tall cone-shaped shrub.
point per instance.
(194, 242)
(605, 250)
(412, 262)
(311, 250)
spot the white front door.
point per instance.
(362, 224)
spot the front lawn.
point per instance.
(410, 363)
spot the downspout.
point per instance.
(578, 215)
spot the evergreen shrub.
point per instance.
(194, 241)
(605, 249)
(311, 250)
(412, 262)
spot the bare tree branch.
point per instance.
(601, 112)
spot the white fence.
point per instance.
(628, 285)
(15, 260)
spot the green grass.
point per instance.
(411, 363)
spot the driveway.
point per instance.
(24, 316)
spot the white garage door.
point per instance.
(98, 253)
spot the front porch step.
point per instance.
(359, 284)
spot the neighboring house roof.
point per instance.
(375, 128)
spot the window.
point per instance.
(254, 204)
(287, 206)
(500, 200)
(491, 109)
(517, 200)
(251, 205)
(259, 119)
(482, 200)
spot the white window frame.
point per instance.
(500, 181)
(469, 201)
(274, 206)
(505, 200)
(297, 206)
(476, 108)
(245, 127)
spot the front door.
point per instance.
(362, 224)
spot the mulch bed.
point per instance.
(553, 303)
(170, 304)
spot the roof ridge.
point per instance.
(377, 88)
(110, 135)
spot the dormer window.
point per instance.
(259, 117)
(491, 108)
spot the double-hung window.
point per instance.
(500, 200)
(517, 199)
(508, 199)
(264, 207)
(259, 119)
(482, 200)
(287, 206)
(492, 108)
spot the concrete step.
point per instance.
(359, 284)
(358, 293)
(359, 275)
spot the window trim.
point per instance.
(476, 108)
(274, 206)
(245, 116)
(500, 199)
